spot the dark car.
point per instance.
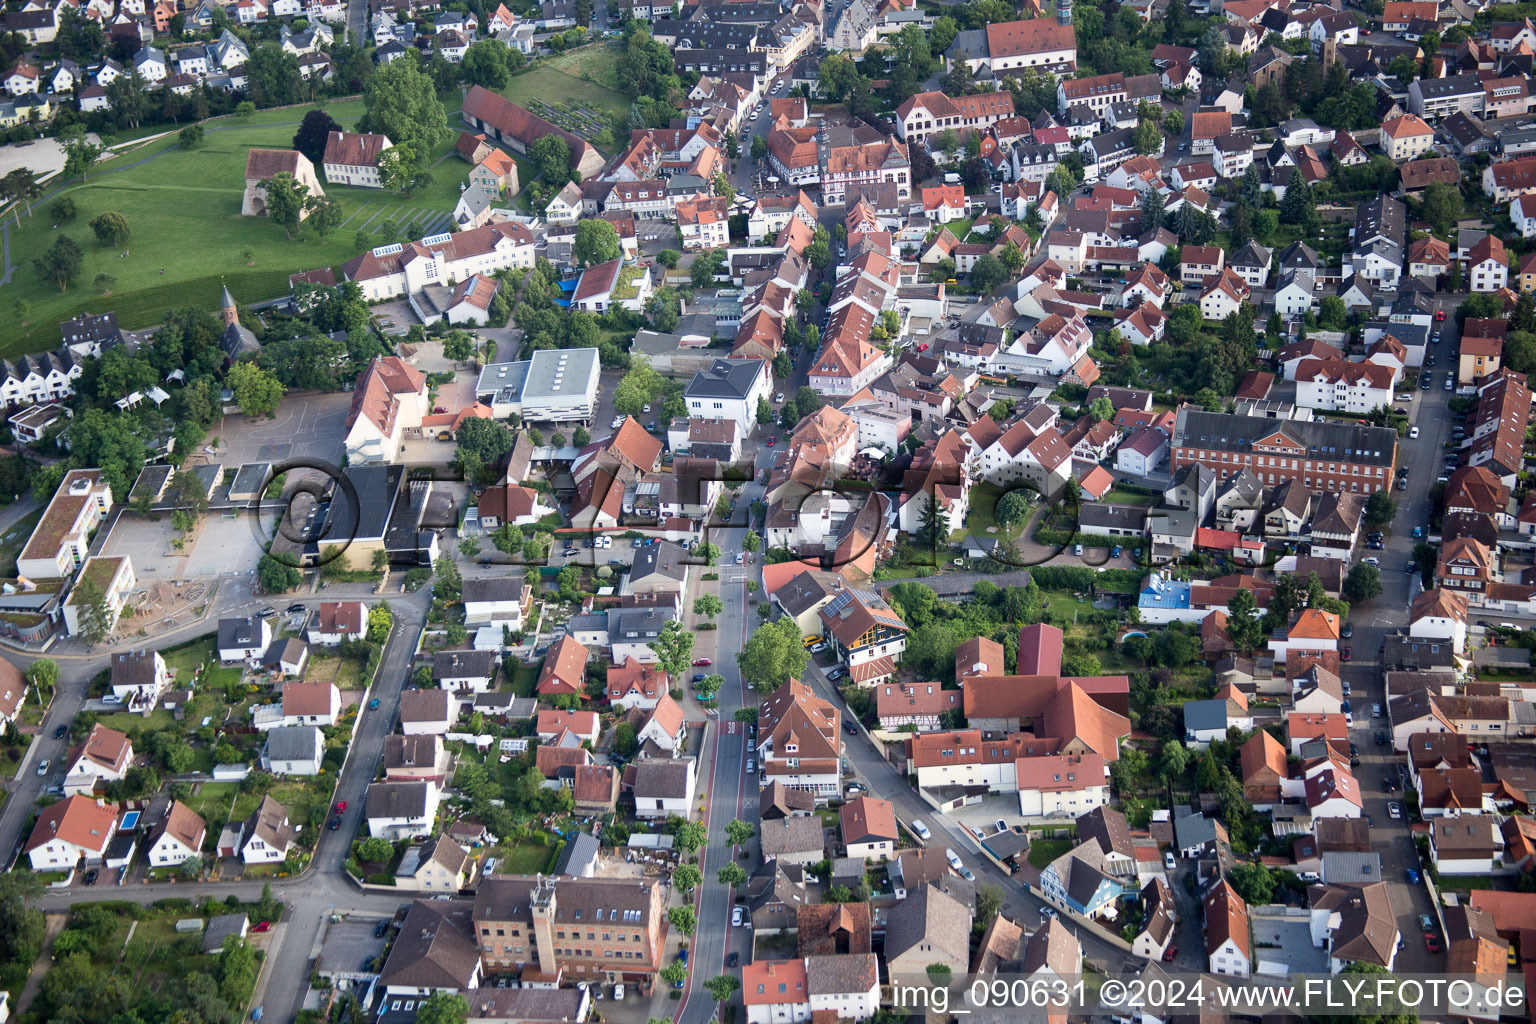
(91, 876)
(850, 729)
(296, 609)
(61, 732)
(733, 960)
(335, 823)
(379, 931)
(698, 677)
(1348, 630)
(1381, 738)
(268, 610)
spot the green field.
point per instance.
(586, 75)
(184, 210)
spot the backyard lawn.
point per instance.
(183, 207)
(1043, 851)
(526, 858)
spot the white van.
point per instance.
(921, 830)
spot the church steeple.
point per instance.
(227, 306)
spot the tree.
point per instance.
(1147, 137)
(443, 1007)
(836, 75)
(80, 151)
(404, 168)
(1332, 313)
(687, 877)
(1012, 509)
(104, 282)
(723, 986)
(987, 273)
(683, 919)
(276, 577)
(400, 101)
(325, 214)
(485, 63)
(689, 836)
(1441, 206)
(1101, 409)
(731, 874)
(258, 392)
(1244, 628)
(774, 653)
(708, 605)
(551, 159)
(481, 446)
(677, 971)
(674, 649)
(375, 850)
(709, 686)
(285, 200)
(759, 147)
(61, 264)
(314, 131)
(738, 832)
(1253, 883)
(1380, 509)
(110, 228)
(597, 241)
(1362, 583)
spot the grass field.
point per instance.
(1043, 851)
(183, 207)
(585, 75)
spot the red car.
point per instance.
(702, 662)
(341, 806)
(1345, 653)
(263, 926)
(1169, 954)
(923, 347)
(1439, 315)
(1432, 942)
(772, 441)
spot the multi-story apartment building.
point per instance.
(549, 930)
(1096, 93)
(930, 113)
(62, 536)
(799, 741)
(848, 168)
(440, 260)
(1432, 98)
(1324, 456)
(1337, 385)
(866, 634)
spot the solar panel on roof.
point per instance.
(388, 250)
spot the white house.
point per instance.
(335, 621)
(138, 679)
(265, 837)
(74, 829)
(1439, 614)
(1143, 453)
(1227, 944)
(106, 757)
(1337, 385)
(244, 639)
(844, 984)
(293, 750)
(426, 712)
(353, 159)
(1468, 844)
(730, 389)
(177, 837)
(389, 401)
(869, 828)
(1061, 785)
(398, 810)
(776, 992)
(663, 787)
(496, 599)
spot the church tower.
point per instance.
(1063, 12)
(228, 308)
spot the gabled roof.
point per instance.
(1226, 917)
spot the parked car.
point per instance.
(921, 830)
(698, 677)
(1348, 630)
(1345, 654)
(296, 609)
(1168, 861)
(335, 824)
(61, 732)
(737, 915)
(1394, 809)
(618, 991)
(1375, 710)
(373, 704)
(751, 765)
(1413, 431)
(1002, 826)
(850, 729)
(698, 662)
(1426, 923)
(1381, 740)
(43, 765)
(818, 648)
(91, 876)
(733, 959)
(341, 807)
(1432, 942)
(263, 926)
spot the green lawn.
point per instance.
(13, 539)
(133, 725)
(1122, 496)
(526, 678)
(561, 80)
(1043, 851)
(185, 659)
(526, 858)
(184, 210)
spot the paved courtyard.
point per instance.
(221, 545)
(306, 425)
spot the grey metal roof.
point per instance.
(293, 743)
(1204, 715)
(726, 378)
